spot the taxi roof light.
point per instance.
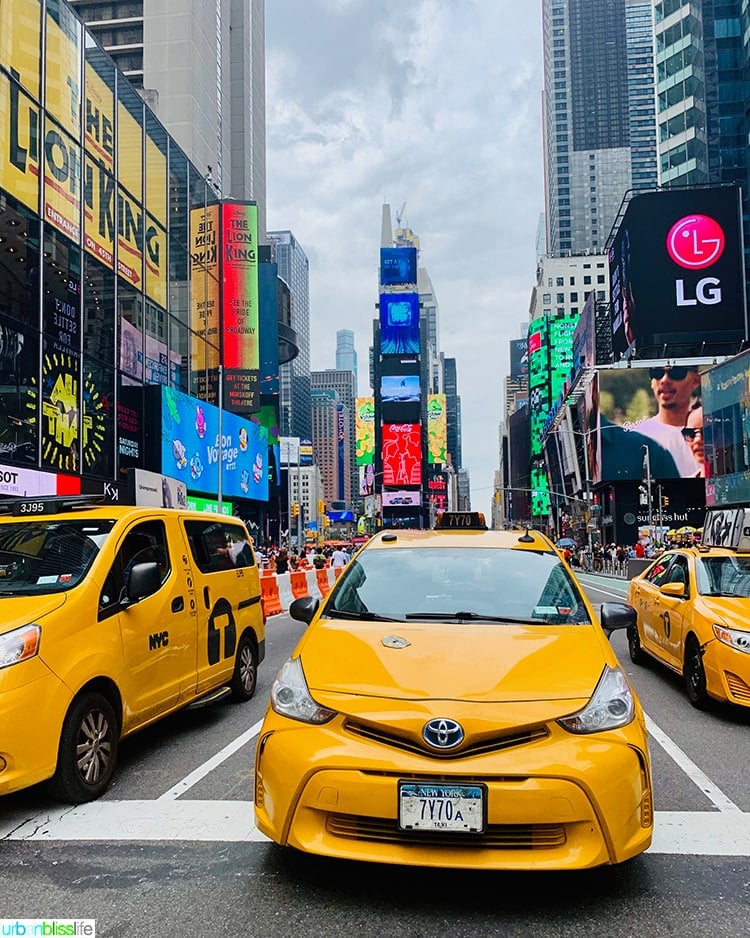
(462, 521)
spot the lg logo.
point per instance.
(696, 242)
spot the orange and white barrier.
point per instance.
(279, 590)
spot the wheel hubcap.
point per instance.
(94, 749)
(247, 669)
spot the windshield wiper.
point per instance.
(471, 617)
(366, 616)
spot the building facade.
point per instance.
(344, 383)
(346, 354)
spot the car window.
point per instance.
(723, 576)
(495, 582)
(658, 573)
(146, 542)
(219, 545)
(48, 556)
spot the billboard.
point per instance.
(399, 388)
(192, 448)
(399, 323)
(364, 429)
(239, 305)
(402, 454)
(204, 293)
(631, 409)
(519, 358)
(398, 266)
(676, 272)
(437, 429)
(726, 417)
(401, 497)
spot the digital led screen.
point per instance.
(399, 323)
(635, 408)
(191, 448)
(398, 266)
(437, 429)
(401, 497)
(519, 358)
(676, 271)
(364, 430)
(726, 417)
(399, 388)
(402, 454)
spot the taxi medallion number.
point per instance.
(457, 808)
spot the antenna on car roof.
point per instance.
(526, 538)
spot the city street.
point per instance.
(171, 849)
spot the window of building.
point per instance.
(560, 297)
(587, 280)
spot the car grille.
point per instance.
(479, 747)
(737, 687)
(507, 836)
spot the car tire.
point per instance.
(87, 754)
(635, 649)
(694, 675)
(245, 678)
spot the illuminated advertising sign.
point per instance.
(584, 339)
(437, 429)
(639, 408)
(191, 448)
(305, 452)
(129, 429)
(437, 487)
(560, 353)
(726, 417)
(540, 501)
(364, 429)
(519, 358)
(539, 381)
(399, 323)
(239, 305)
(99, 213)
(399, 388)
(194, 503)
(24, 483)
(398, 266)
(340, 447)
(676, 271)
(402, 454)
(204, 292)
(20, 123)
(20, 41)
(19, 424)
(99, 108)
(154, 490)
(401, 497)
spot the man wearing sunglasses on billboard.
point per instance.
(673, 387)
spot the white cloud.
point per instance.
(437, 104)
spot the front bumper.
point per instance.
(556, 802)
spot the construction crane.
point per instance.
(400, 214)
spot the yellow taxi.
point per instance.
(111, 618)
(693, 615)
(454, 703)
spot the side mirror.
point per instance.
(615, 616)
(143, 580)
(679, 590)
(304, 609)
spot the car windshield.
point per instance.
(48, 556)
(459, 584)
(723, 576)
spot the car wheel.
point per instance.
(245, 677)
(695, 675)
(637, 654)
(87, 754)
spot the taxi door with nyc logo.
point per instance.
(158, 632)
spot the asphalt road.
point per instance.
(171, 850)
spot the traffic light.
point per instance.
(326, 521)
(295, 509)
(321, 507)
(643, 493)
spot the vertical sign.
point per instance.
(204, 292)
(437, 429)
(364, 429)
(340, 439)
(239, 305)
(19, 147)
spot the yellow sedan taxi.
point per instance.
(454, 702)
(693, 608)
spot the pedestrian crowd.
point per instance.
(284, 560)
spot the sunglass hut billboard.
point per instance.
(676, 271)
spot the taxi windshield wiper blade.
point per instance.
(471, 617)
(365, 616)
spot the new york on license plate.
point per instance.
(440, 807)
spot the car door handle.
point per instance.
(178, 604)
(206, 597)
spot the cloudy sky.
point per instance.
(437, 104)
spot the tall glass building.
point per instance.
(599, 131)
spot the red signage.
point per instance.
(695, 242)
(402, 454)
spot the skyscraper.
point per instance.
(599, 127)
(344, 384)
(346, 354)
(201, 69)
(294, 377)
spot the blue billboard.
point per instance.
(399, 323)
(398, 266)
(191, 449)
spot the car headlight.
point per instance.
(611, 706)
(19, 645)
(291, 698)
(735, 638)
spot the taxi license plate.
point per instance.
(423, 807)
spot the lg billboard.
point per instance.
(677, 275)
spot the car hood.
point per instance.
(732, 611)
(16, 611)
(455, 661)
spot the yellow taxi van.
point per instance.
(112, 617)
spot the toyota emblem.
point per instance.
(443, 734)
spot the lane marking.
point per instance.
(689, 833)
(203, 770)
